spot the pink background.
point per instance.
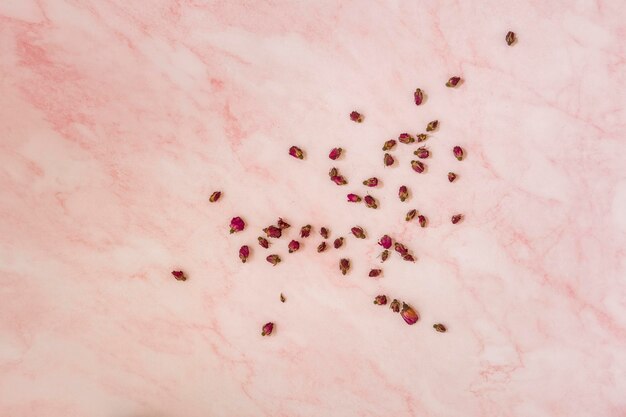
(119, 118)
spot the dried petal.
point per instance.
(451, 176)
(408, 258)
(422, 220)
(273, 259)
(244, 252)
(384, 255)
(324, 232)
(321, 247)
(406, 138)
(432, 125)
(421, 137)
(339, 180)
(456, 218)
(410, 215)
(358, 232)
(283, 224)
(418, 166)
(511, 38)
(267, 329)
(335, 153)
(389, 145)
(353, 198)
(338, 243)
(296, 152)
(305, 231)
(440, 327)
(388, 160)
(237, 225)
(422, 153)
(344, 266)
(370, 201)
(355, 116)
(385, 242)
(264, 242)
(333, 172)
(395, 306)
(375, 273)
(453, 81)
(400, 248)
(403, 193)
(380, 300)
(293, 246)
(418, 97)
(273, 231)
(282, 298)
(179, 275)
(458, 153)
(215, 196)
(408, 314)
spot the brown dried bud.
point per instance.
(321, 247)
(375, 273)
(395, 306)
(408, 257)
(324, 232)
(283, 224)
(293, 246)
(244, 252)
(380, 300)
(333, 172)
(451, 176)
(305, 231)
(296, 152)
(338, 243)
(453, 81)
(358, 232)
(422, 153)
(422, 220)
(344, 266)
(282, 298)
(389, 145)
(511, 38)
(418, 166)
(384, 255)
(215, 196)
(273, 259)
(371, 182)
(408, 314)
(335, 153)
(440, 327)
(403, 193)
(456, 218)
(268, 328)
(370, 201)
(418, 97)
(432, 125)
(421, 137)
(357, 117)
(273, 231)
(406, 138)
(388, 160)
(264, 242)
(410, 215)
(179, 275)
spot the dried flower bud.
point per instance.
(389, 145)
(353, 198)
(422, 220)
(237, 225)
(406, 138)
(321, 247)
(333, 172)
(358, 232)
(456, 218)
(511, 38)
(380, 300)
(418, 97)
(296, 152)
(458, 153)
(339, 180)
(385, 242)
(324, 232)
(282, 298)
(388, 160)
(293, 246)
(375, 273)
(370, 201)
(355, 116)
(453, 81)
(179, 275)
(273, 231)
(244, 252)
(305, 231)
(422, 153)
(395, 306)
(432, 125)
(418, 166)
(408, 257)
(400, 248)
(451, 176)
(273, 259)
(264, 242)
(408, 314)
(384, 255)
(215, 196)
(335, 153)
(338, 243)
(440, 327)
(410, 215)
(282, 224)
(403, 193)
(421, 137)
(267, 329)
(371, 182)
(344, 266)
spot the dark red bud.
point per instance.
(215, 196)
(370, 201)
(264, 242)
(385, 242)
(237, 224)
(422, 220)
(375, 273)
(296, 152)
(283, 224)
(406, 138)
(403, 193)
(344, 266)
(338, 243)
(458, 153)
(453, 81)
(418, 166)
(244, 252)
(273, 231)
(267, 330)
(418, 97)
(451, 176)
(179, 275)
(410, 215)
(356, 117)
(395, 306)
(511, 38)
(400, 248)
(293, 246)
(380, 300)
(371, 182)
(358, 232)
(389, 145)
(408, 314)
(335, 153)
(456, 218)
(305, 231)
(388, 160)
(339, 180)
(353, 198)
(422, 153)
(432, 125)
(273, 259)
(324, 232)
(408, 258)
(321, 247)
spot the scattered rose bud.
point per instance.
(371, 182)
(296, 152)
(510, 38)
(237, 225)
(244, 252)
(453, 81)
(389, 145)
(358, 232)
(380, 300)
(418, 97)
(333, 172)
(324, 232)
(410, 215)
(293, 246)
(385, 242)
(440, 327)
(458, 153)
(384, 255)
(215, 196)
(421, 137)
(321, 247)
(370, 201)
(422, 220)
(408, 314)
(273, 231)
(305, 231)
(282, 224)
(400, 248)
(273, 259)
(355, 116)
(335, 153)
(432, 125)
(395, 306)
(422, 153)
(388, 160)
(339, 180)
(408, 258)
(267, 329)
(375, 273)
(403, 193)
(406, 138)
(418, 166)
(344, 266)
(263, 242)
(179, 275)
(456, 218)
(451, 176)
(282, 298)
(353, 198)
(338, 243)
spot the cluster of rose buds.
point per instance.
(407, 312)
(335, 153)
(215, 196)
(179, 275)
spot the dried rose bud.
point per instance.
(179, 275)
(264, 242)
(408, 258)
(458, 153)
(333, 172)
(321, 247)
(403, 193)
(418, 97)
(282, 224)
(389, 145)
(353, 198)
(273, 231)
(273, 259)
(375, 273)
(215, 196)
(453, 81)
(400, 248)
(456, 218)
(344, 266)
(358, 232)
(388, 160)
(324, 232)
(267, 329)
(406, 138)
(335, 153)
(421, 137)
(451, 176)
(418, 166)
(432, 125)
(244, 252)
(305, 231)
(355, 116)
(384, 255)
(440, 327)
(408, 314)
(385, 242)
(282, 298)
(338, 243)
(395, 306)
(293, 246)
(237, 225)
(371, 182)
(339, 180)
(511, 38)
(296, 152)
(380, 300)
(370, 201)
(410, 215)
(422, 220)
(422, 153)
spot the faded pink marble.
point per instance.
(119, 118)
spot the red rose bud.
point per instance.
(333, 172)
(380, 300)
(422, 220)
(408, 258)
(321, 247)
(339, 180)
(305, 231)
(293, 246)
(215, 196)
(422, 153)
(324, 232)
(432, 125)
(384, 255)
(344, 266)
(440, 327)
(388, 160)
(408, 314)
(273, 259)
(406, 138)
(355, 116)
(510, 38)
(353, 198)
(400, 248)
(296, 152)
(458, 153)
(338, 243)
(237, 225)
(179, 275)
(375, 273)
(395, 306)
(244, 252)
(403, 193)
(410, 215)
(456, 218)
(453, 81)
(263, 242)
(273, 231)
(421, 137)
(451, 176)
(389, 145)
(358, 232)
(385, 242)
(418, 97)
(335, 153)
(282, 224)
(371, 182)
(267, 329)
(418, 166)
(370, 201)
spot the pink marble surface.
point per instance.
(118, 119)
